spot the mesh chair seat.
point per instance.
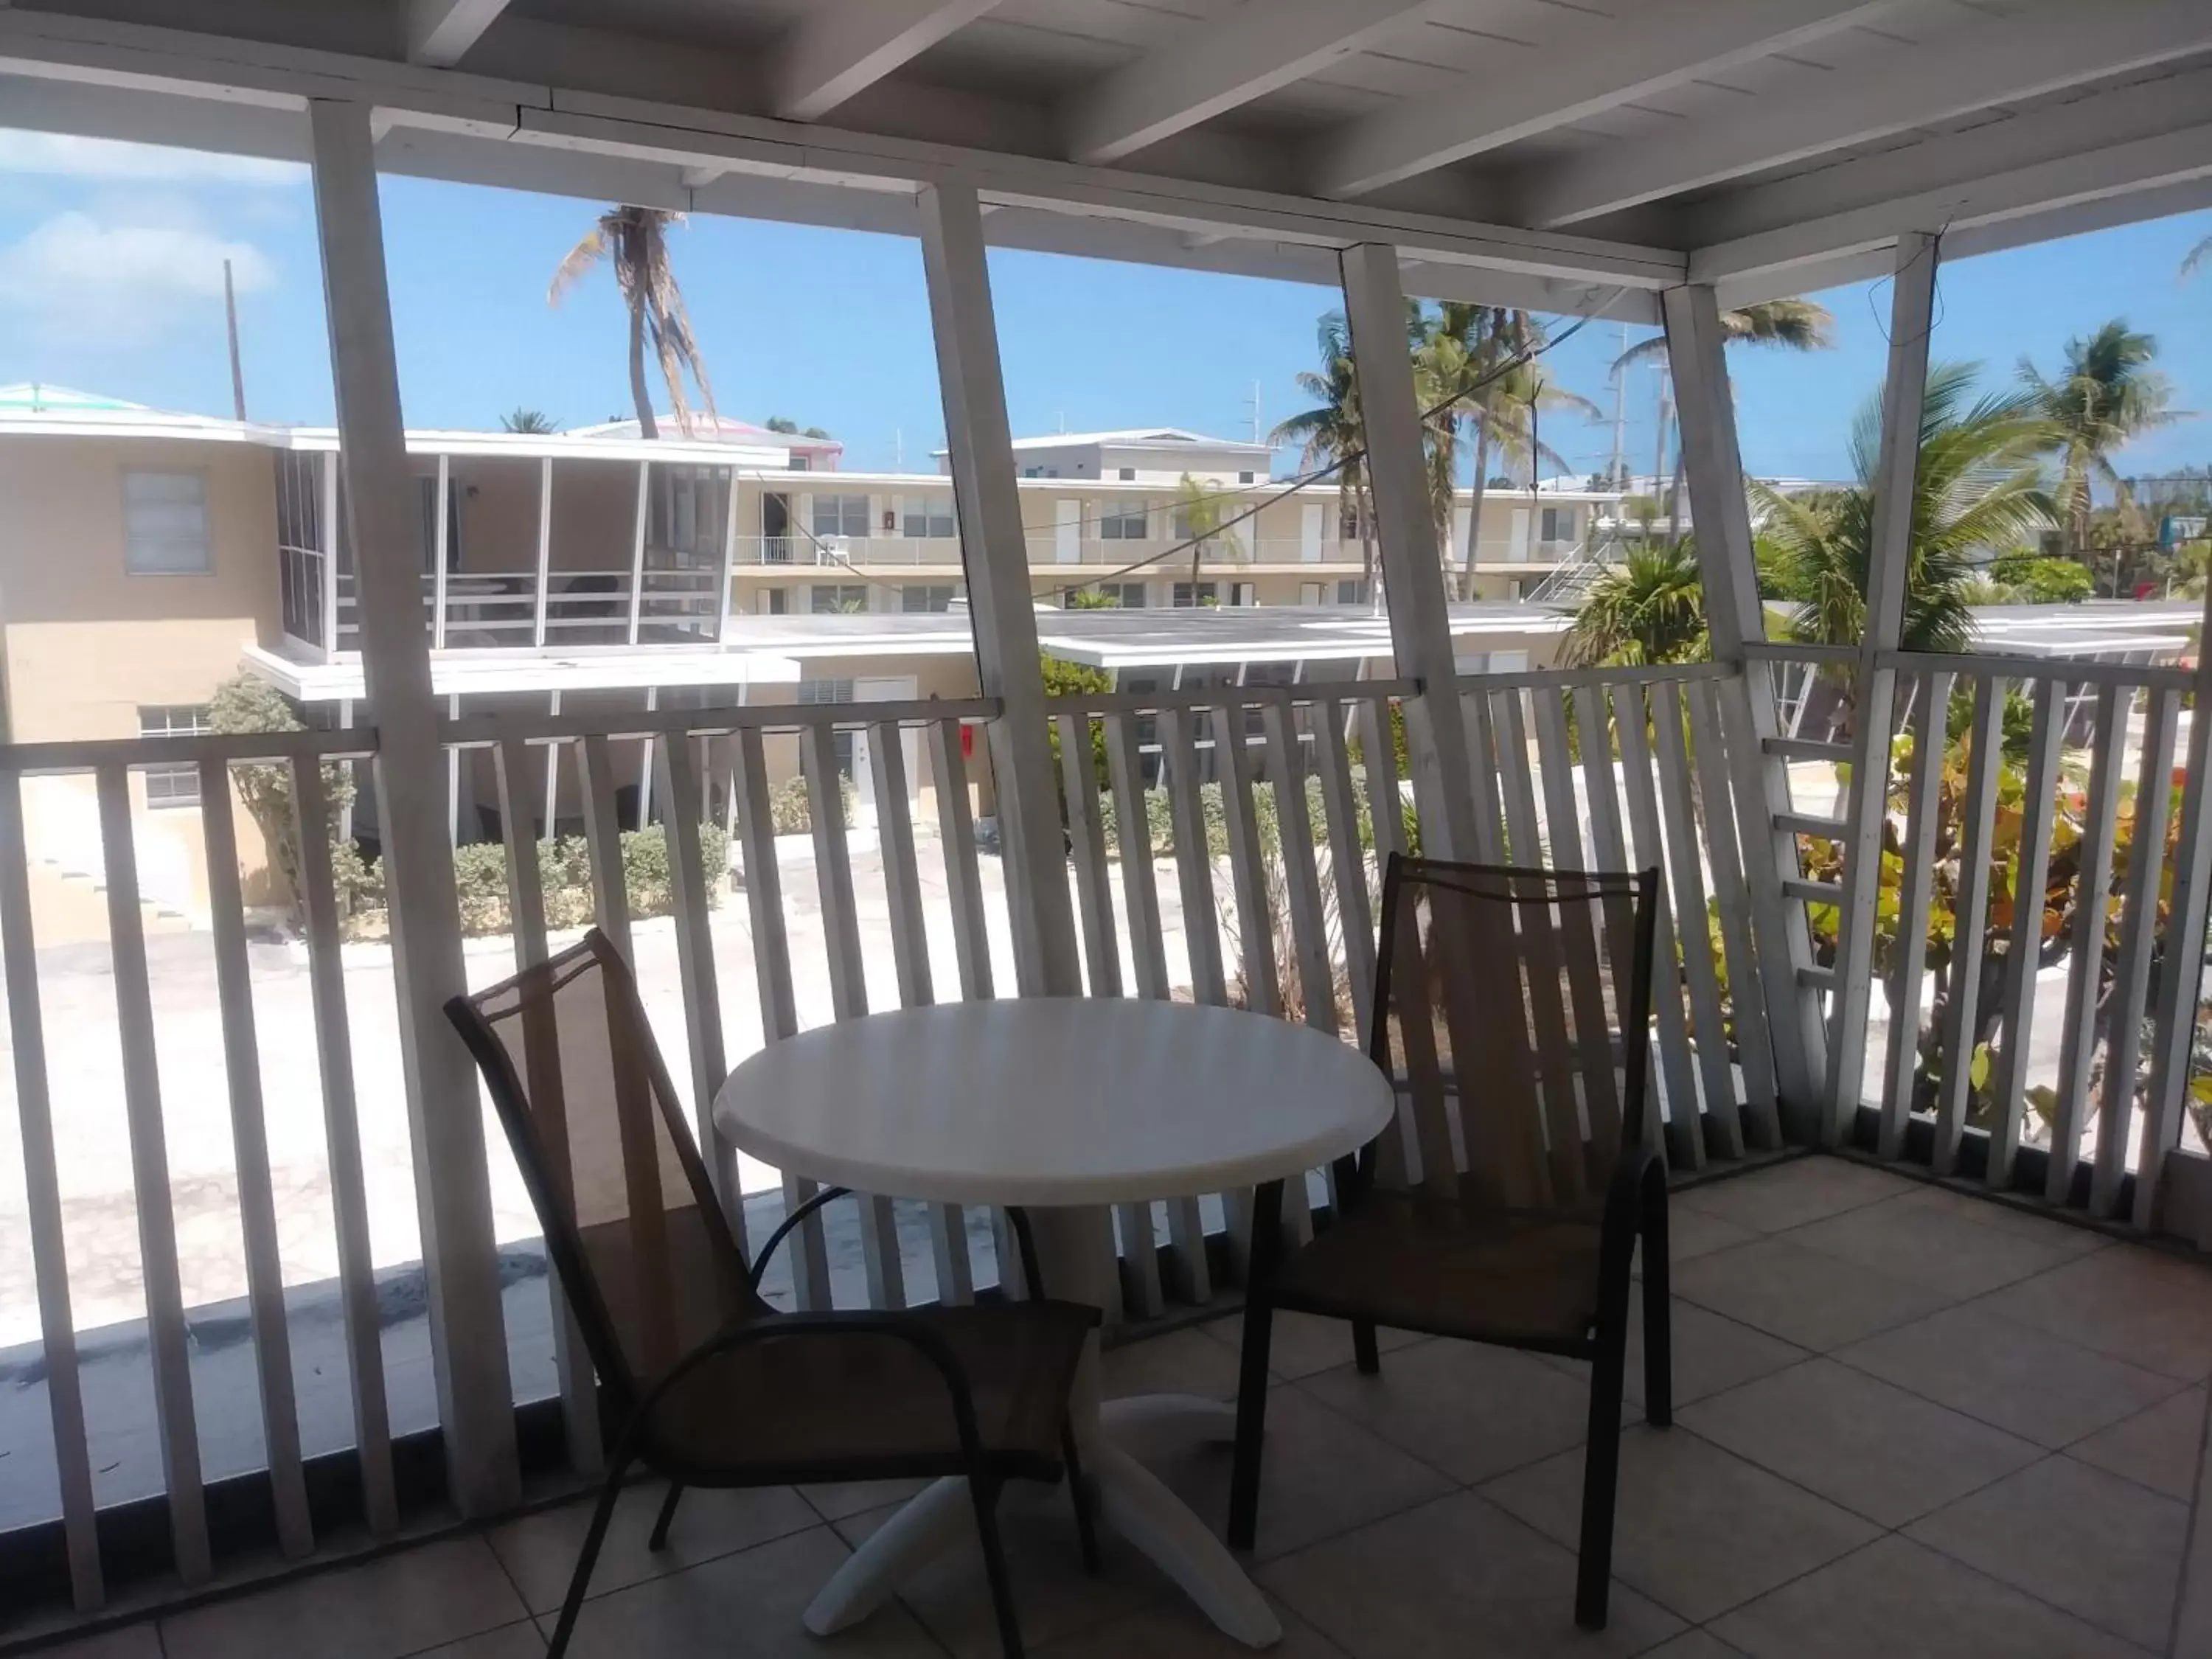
(774, 1409)
(1415, 1262)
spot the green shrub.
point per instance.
(564, 875)
(791, 810)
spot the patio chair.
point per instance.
(712, 1385)
(1505, 1204)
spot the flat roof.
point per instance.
(478, 673)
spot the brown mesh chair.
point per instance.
(1505, 1204)
(714, 1387)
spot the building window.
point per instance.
(1312, 593)
(1243, 593)
(937, 596)
(1129, 595)
(775, 602)
(689, 509)
(1245, 477)
(1351, 592)
(1189, 595)
(1122, 521)
(178, 784)
(165, 524)
(799, 464)
(815, 693)
(1558, 524)
(841, 515)
(830, 599)
(925, 518)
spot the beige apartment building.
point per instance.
(150, 555)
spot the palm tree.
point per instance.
(528, 420)
(2196, 257)
(1332, 433)
(1979, 486)
(1198, 515)
(2108, 396)
(1793, 324)
(634, 240)
(1649, 608)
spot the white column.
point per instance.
(329, 518)
(1714, 465)
(552, 769)
(544, 545)
(352, 772)
(1910, 313)
(729, 558)
(468, 1341)
(438, 573)
(995, 556)
(645, 763)
(637, 547)
(1413, 573)
(453, 778)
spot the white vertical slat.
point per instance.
(1579, 945)
(2024, 942)
(1202, 940)
(956, 830)
(2085, 962)
(1970, 926)
(1675, 1061)
(1094, 903)
(1722, 1116)
(1378, 755)
(1482, 739)
(690, 888)
(723, 581)
(808, 1251)
(525, 906)
(1301, 880)
(328, 518)
(149, 1176)
(1544, 967)
(2130, 990)
(249, 1135)
(1609, 849)
(637, 548)
(1148, 965)
(544, 564)
(1929, 717)
(2181, 991)
(43, 1200)
(848, 985)
(1347, 861)
(1247, 879)
(948, 1231)
(1725, 856)
(603, 841)
(440, 551)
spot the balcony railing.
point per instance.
(1224, 845)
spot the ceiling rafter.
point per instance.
(841, 47)
(440, 32)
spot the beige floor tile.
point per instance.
(1802, 1296)
(2132, 1303)
(2011, 1375)
(1472, 1411)
(1694, 1645)
(1692, 1232)
(1300, 1344)
(1931, 1244)
(522, 1641)
(1710, 1353)
(1897, 1601)
(1696, 1529)
(1178, 1630)
(1320, 1474)
(1451, 1578)
(1877, 1450)
(847, 1497)
(1791, 1194)
(539, 1551)
(2011, 1219)
(1180, 1362)
(1055, 1596)
(2158, 1447)
(395, 1604)
(131, 1642)
(746, 1605)
(2103, 1549)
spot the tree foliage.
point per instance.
(247, 703)
(634, 241)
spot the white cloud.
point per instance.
(62, 155)
(120, 285)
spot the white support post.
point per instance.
(1713, 463)
(995, 556)
(468, 1334)
(444, 550)
(637, 559)
(644, 763)
(544, 546)
(1911, 313)
(352, 773)
(329, 522)
(552, 768)
(1413, 572)
(453, 777)
(722, 588)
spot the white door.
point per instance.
(1462, 529)
(896, 688)
(1310, 519)
(1067, 533)
(1520, 548)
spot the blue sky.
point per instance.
(110, 280)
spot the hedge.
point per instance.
(791, 810)
(1160, 822)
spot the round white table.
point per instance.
(1060, 1105)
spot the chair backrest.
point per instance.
(632, 1224)
(1514, 1010)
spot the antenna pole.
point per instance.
(230, 317)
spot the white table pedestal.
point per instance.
(1072, 1258)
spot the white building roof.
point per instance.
(477, 673)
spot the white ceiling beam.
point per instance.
(1648, 49)
(1248, 51)
(840, 47)
(1990, 61)
(440, 32)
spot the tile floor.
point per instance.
(1908, 1422)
